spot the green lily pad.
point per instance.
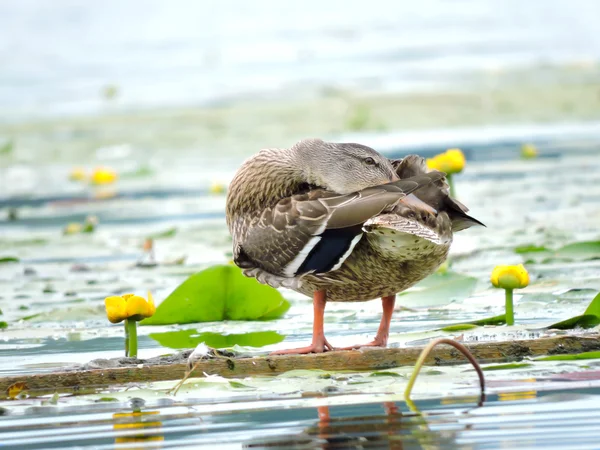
(7, 147)
(495, 320)
(216, 294)
(589, 319)
(439, 289)
(577, 251)
(73, 313)
(8, 259)
(191, 338)
(459, 327)
(238, 385)
(575, 357)
(107, 399)
(385, 374)
(169, 233)
(530, 249)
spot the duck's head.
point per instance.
(341, 167)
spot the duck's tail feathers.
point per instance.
(413, 165)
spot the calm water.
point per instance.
(565, 418)
(57, 56)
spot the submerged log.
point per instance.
(173, 368)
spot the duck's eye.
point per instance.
(369, 161)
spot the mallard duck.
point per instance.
(340, 222)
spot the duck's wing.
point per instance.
(317, 231)
(437, 194)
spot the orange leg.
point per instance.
(319, 343)
(384, 326)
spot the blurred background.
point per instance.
(205, 78)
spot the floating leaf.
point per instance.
(169, 233)
(495, 320)
(438, 289)
(140, 172)
(22, 242)
(107, 399)
(7, 147)
(15, 389)
(191, 339)
(530, 249)
(238, 385)
(583, 321)
(73, 313)
(3, 325)
(589, 319)
(507, 366)
(459, 327)
(575, 357)
(579, 251)
(216, 294)
(8, 259)
(52, 400)
(385, 374)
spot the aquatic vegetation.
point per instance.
(217, 188)
(589, 319)
(529, 151)
(78, 174)
(88, 226)
(451, 161)
(131, 309)
(510, 278)
(191, 339)
(110, 91)
(7, 147)
(219, 293)
(575, 251)
(573, 357)
(15, 390)
(426, 352)
(103, 175)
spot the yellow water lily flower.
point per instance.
(451, 161)
(103, 175)
(129, 306)
(510, 277)
(217, 188)
(529, 151)
(77, 174)
(73, 228)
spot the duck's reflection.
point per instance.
(373, 431)
(351, 432)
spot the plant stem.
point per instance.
(425, 353)
(510, 314)
(450, 180)
(132, 334)
(126, 338)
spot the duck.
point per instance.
(340, 222)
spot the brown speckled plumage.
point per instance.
(282, 202)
